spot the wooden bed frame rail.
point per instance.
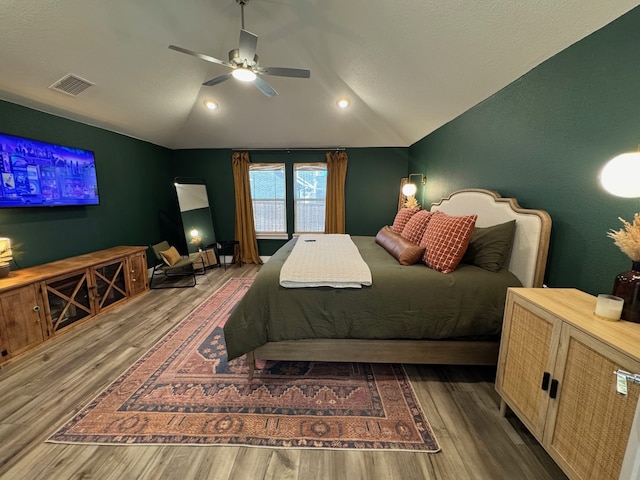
(444, 352)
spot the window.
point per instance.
(310, 194)
(267, 182)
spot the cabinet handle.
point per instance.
(36, 308)
(546, 378)
(554, 388)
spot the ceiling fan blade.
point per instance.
(217, 80)
(285, 72)
(264, 87)
(247, 47)
(202, 56)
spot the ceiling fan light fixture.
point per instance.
(244, 75)
(211, 105)
(343, 103)
(244, 63)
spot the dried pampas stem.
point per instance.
(628, 238)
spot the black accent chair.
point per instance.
(188, 266)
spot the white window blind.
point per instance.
(269, 198)
(310, 196)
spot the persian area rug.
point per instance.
(184, 392)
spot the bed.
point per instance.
(406, 315)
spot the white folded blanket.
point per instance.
(329, 260)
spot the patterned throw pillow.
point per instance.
(402, 217)
(415, 227)
(170, 256)
(446, 239)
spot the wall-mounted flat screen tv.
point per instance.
(41, 174)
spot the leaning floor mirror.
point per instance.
(195, 213)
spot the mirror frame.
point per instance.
(199, 219)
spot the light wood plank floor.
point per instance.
(44, 388)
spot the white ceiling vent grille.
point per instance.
(72, 85)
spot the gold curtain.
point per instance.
(245, 231)
(336, 175)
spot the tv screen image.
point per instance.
(41, 174)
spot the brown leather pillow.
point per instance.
(406, 252)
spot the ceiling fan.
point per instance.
(244, 62)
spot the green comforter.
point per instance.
(404, 302)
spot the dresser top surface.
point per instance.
(578, 309)
(26, 276)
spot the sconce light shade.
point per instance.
(194, 232)
(621, 175)
(409, 189)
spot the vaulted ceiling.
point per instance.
(407, 66)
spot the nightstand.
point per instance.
(556, 372)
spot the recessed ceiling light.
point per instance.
(211, 105)
(343, 102)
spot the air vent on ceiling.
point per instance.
(71, 85)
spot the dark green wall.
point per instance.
(373, 187)
(543, 139)
(138, 202)
(134, 185)
(371, 190)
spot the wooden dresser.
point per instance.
(556, 372)
(38, 303)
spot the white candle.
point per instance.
(609, 307)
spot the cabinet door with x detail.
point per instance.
(108, 284)
(68, 299)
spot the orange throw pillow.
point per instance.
(402, 217)
(416, 226)
(446, 240)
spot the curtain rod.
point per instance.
(334, 149)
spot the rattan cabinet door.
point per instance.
(527, 357)
(589, 422)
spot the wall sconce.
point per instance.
(410, 188)
(621, 175)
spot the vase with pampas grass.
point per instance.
(627, 284)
